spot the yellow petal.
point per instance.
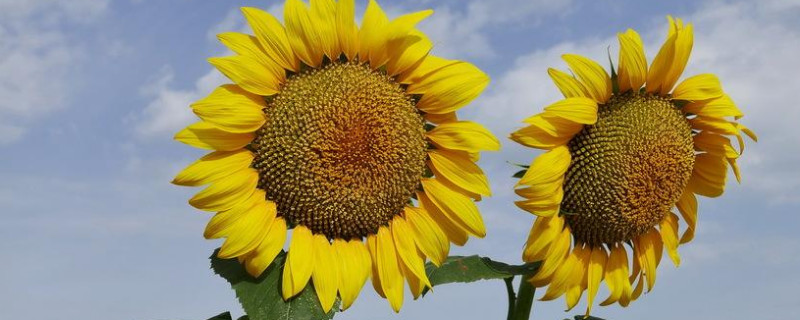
(683, 48)
(457, 168)
(595, 80)
(463, 135)
(213, 166)
(700, 87)
(268, 249)
(429, 237)
(669, 235)
(715, 144)
(388, 269)
(225, 222)
(206, 136)
(660, 67)
(250, 230)
(562, 276)
(387, 42)
(244, 45)
(648, 249)
(424, 68)
(714, 125)
(578, 110)
(372, 30)
(543, 232)
(224, 193)
(441, 118)
(325, 273)
(354, 265)
(578, 280)
(409, 52)
(454, 231)
(407, 250)
(546, 132)
(597, 263)
(556, 253)
(372, 246)
(632, 62)
(231, 109)
(250, 74)
(459, 208)
(302, 33)
(708, 176)
(714, 108)
(567, 84)
(548, 167)
(299, 262)
(616, 274)
(346, 28)
(323, 13)
(272, 37)
(687, 206)
(449, 88)
(545, 205)
(415, 284)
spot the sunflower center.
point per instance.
(628, 169)
(342, 150)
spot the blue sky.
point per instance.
(91, 92)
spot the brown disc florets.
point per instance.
(628, 169)
(342, 151)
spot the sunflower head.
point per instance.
(347, 137)
(621, 152)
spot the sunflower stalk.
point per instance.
(524, 300)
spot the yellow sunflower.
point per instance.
(347, 136)
(622, 151)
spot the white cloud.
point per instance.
(169, 110)
(37, 57)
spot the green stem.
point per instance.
(512, 297)
(522, 308)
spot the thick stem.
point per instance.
(522, 308)
(512, 297)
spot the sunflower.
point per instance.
(348, 137)
(621, 152)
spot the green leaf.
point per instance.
(261, 297)
(222, 316)
(474, 268)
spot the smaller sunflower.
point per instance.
(346, 137)
(622, 152)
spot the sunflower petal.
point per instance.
(544, 232)
(632, 62)
(389, 40)
(448, 225)
(429, 237)
(323, 13)
(206, 136)
(250, 74)
(546, 132)
(687, 206)
(597, 263)
(714, 125)
(714, 108)
(700, 87)
(458, 169)
(463, 135)
(596, 82)
(346, 28)
(562, 276)
(407, 250)
(684, 40)
(251, 229)
(325, 273)
(578, 110)
(715, 144)
(224, 193)
(548, 167)
(709, 175)
(268, 249)
(449, 88)
(372, 29)
(272, 37)
(225, 222)
(213, 166)
(669, 235)
(303, 35)
(459, 208)
(567, 84)
(556, 253)
(390, 276)
(409, 52)
(299, 262)
(231, 109)
(354, 265)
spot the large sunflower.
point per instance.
(344, 135)
(622, 151)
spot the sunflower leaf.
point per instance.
(261, 297)
(474, 268)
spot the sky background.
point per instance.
(92, 91)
